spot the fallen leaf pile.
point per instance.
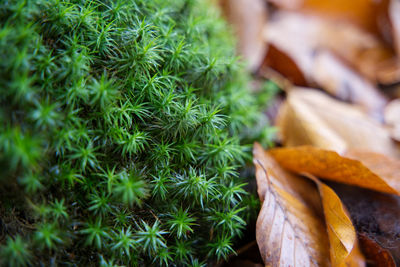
(291, 228)
(330, 190)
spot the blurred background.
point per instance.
(350, 49)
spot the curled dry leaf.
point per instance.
(344, 248)
(376, 255)
(290, 230)
(248, 18)
(342, 236)
(364, 169)
(310, 117)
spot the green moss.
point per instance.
(124, 125)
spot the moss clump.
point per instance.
(123, 128)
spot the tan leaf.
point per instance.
(248, 18)
(364, 169)
(344, 248)
(293, 198)
(310, 117)
(376, 255)
(289, 230)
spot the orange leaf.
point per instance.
(344, 248)
(290, 224)
(312, 118)
(364, 169)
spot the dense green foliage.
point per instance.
(123, 128)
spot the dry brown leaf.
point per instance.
(283, 192)
(248, 18)
(289, 230)
(364, 169)
(344, 248)
(310, 117)
(376, 255)
(283, 64)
